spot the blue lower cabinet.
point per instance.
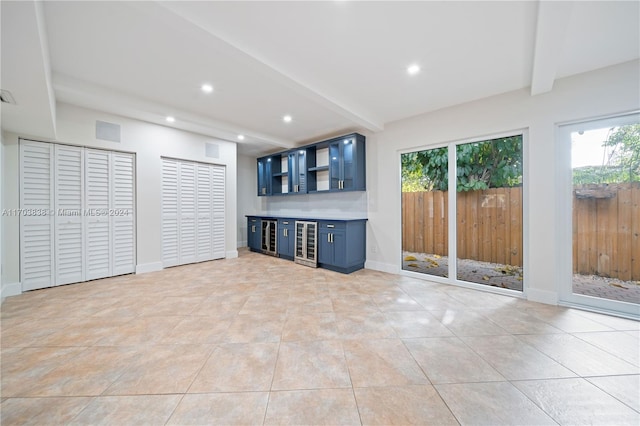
(286, 238)
(254, 237)
(342, 245)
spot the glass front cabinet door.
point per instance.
(347, 167)
(298, 172)
(264, 176)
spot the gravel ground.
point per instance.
(510, 277)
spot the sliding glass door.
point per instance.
(425, 212)
(471, 207)
(601, 200)
(489, 212)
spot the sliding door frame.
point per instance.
(564, 217)
(452, 212)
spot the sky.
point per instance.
(587, 149)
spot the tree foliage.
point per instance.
(622, 164)
(495, 163)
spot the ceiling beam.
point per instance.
(262, 65)
(552, 23)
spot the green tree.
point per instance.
(625, 153)
(495, 163)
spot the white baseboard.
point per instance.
(242, 243)
(382, 267)
(148, 267)
(542, 296)
(11, 289)
(232, 254)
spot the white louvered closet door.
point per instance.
(204, 205)
(88, 231)
(69, 229)
(193, 197)
(98, 257)
(169, 204)
(218, 198)
(122, 213)
(187, 212)
(37, 262)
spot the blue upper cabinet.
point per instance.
(347, 163)
(333, 165)
(297, 161)
(264, 176)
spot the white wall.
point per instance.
(149, 142)
(604, 92)
(248, 202)
(1, 215)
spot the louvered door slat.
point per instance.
(204, 212)
(218, 211)
(169, 203)
(97, 200)
(122, 213)
(36, 232)
(187, 212)
(69, 230)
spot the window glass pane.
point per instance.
(606, 213)
(489, 212)
(424, 212)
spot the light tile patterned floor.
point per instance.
(259, 340)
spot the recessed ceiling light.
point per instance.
(413, 69)
(206, 88)
(170, 119)
(287, 119)
(240, 137)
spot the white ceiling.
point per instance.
(335, 66)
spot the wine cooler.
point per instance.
(269, 237)
(306, 250)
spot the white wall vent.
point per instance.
(6, 97)
(107, 131)
(212, 150)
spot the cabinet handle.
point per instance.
(284, 232)
(264, 191)
(329, 237)
(331, 226)
(253, 228)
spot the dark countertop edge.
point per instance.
(294, 217)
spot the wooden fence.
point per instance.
(606, 229)
(606, 226)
